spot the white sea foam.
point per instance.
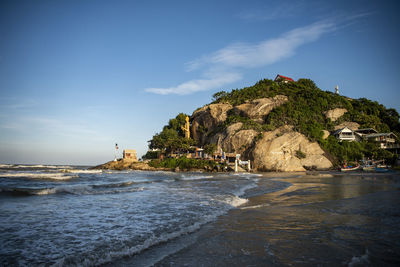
(5, 165)
(243, 190)
(360, 261)
(149, 242)
(255, 206)
(80, 190)
(80, 171)
(236, 201)
(195, 177)
(53, 176)
(18, 166)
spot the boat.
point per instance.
(368, 168)
(349, 168)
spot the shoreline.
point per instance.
(325, 219)
(123, 164)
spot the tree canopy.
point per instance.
(172, 138)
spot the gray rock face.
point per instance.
(335, 113)
(234, 140)
(326, 134)
(206, 119)
(277, 151)
(349, 124)
(259, 108)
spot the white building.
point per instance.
(345, 134)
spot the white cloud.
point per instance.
(226, 63)
(193, 86)
(244, 55)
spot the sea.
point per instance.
(75, 216)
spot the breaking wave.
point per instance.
(80, 171)
(71, 189)
(37, 166)
(53, 176)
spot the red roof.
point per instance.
(284, 77)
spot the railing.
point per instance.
(390, 146)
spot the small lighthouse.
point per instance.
(337, 89)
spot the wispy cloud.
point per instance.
(193, 86)
(226, 64)
(245, 55)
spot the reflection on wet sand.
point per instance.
(329, 220)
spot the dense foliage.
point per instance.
(172, 138)
(184, 163)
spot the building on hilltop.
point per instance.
(130, 154)
(283, 79)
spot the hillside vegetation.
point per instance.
(304, 110)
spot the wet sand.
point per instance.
(329, 219)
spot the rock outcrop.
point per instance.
(349, 124)
(259, 108)
(206, 119)
(326, 134)
(278, 151)
(335, 113)
(233, 139)
(124, 164)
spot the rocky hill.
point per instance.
(277, 150)
(282, 126)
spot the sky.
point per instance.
(78, 76)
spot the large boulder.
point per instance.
(278, 151)
(335, 113)
(206, 119)
(233, 139)
(259, 108)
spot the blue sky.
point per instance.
(76, 77)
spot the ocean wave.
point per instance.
(80, 171)
(94, 259)
(72, 189)
(187, 177)
(243, 189)
(360, 261)
(256, 206)
(236, 201)
(122, 184)
(52, 176)
(36, 166)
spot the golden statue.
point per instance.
(186, 129)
